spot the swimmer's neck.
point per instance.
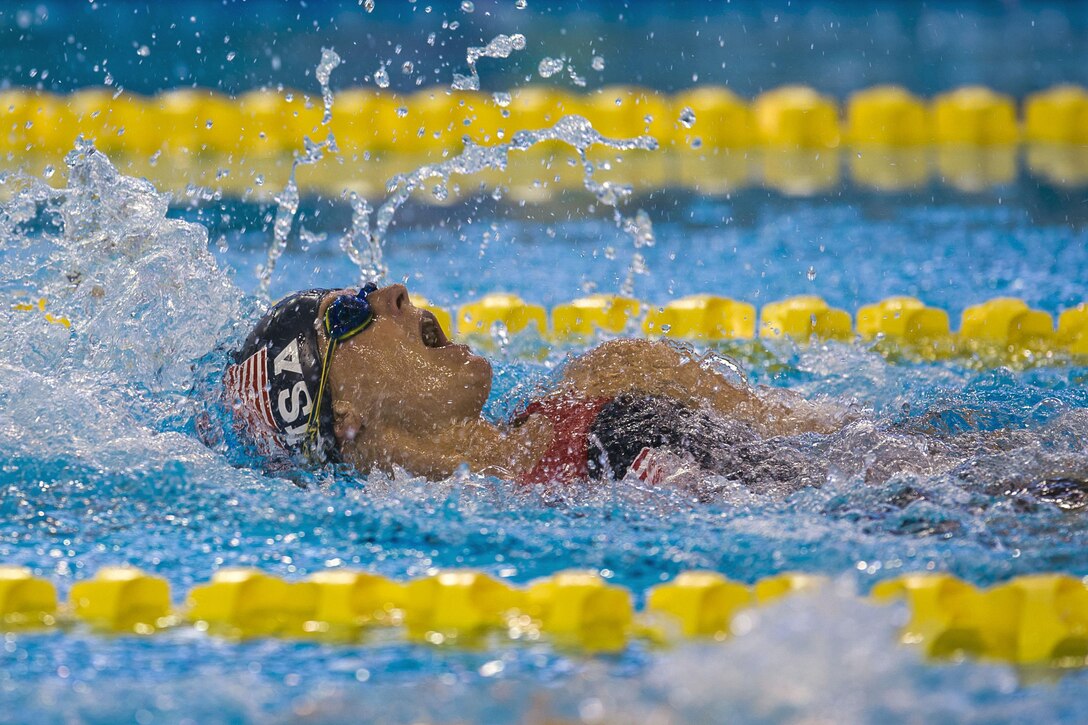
(482, 446)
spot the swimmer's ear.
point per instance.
(347, 423)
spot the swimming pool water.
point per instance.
(102, 465)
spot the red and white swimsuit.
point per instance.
(567, 458)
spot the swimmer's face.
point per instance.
(403, 370)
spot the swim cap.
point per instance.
(274, 381)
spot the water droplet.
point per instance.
(402, 111)
(549, 67)
(430, 38)
(368, 5)
(231, 55)
(454, 25)
(49, 171)
(467, 6)
(811, 274)
(597, 63)
(143, 51)
(521, 4)
(502, 99)
(687, 117)
(208, 123)
(407, 68)
(381, 77)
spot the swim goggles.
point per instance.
(346, 317)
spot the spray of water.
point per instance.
(575, 131)
(287, 201)
(501, 46)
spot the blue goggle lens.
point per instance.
(349, 315)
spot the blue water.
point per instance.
(948, 249)
(100, 463)
(748, 45)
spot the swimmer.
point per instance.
(364, 377)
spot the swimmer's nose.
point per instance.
(391, 300)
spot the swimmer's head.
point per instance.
(397, 374)
(274, 382)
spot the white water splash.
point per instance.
(548, 67)
(142, 302)
(575, 131)
(287, 201)
(358, 242)
(381, 77)
(501, 46)
(329, 61)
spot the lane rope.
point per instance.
(1039, 619)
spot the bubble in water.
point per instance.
(549, 67)
(381, 77)
(467, 6)
(597, 63)
(687, 117)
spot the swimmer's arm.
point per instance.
(656, 368)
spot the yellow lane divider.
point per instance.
(791, 138)
(262, 122)
(1003, 326)
(999, 326)
(1032, 619)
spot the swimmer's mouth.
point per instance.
(431, 332)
